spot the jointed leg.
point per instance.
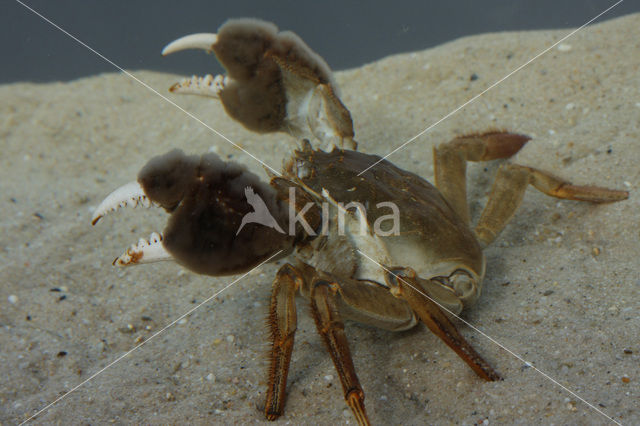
(405, 285)
(451, 158)
(510, 185)
(282, 324)
(331, 328)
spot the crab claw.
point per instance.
(146, 251)
(204, 86)
(207, 201)
(203, 41)
(274, 82)
(128, 195)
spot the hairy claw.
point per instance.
(274, 82)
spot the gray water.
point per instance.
(346, 33)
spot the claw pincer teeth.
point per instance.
(204, 86)
(146, 251)
(129, 195)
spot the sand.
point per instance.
(562, 284)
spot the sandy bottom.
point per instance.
(562, 285)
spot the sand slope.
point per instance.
(562, 287)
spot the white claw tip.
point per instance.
(193, 41)
(146, 251)
(128, 195)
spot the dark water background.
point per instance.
(346, 33)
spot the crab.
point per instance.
(318, 214)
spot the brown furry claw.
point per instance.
(274, 82)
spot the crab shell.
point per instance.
(430, 237)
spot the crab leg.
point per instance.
(282, 323)
(509, 187)
(451, 162)
(511, 181)
(331, 328)
(406, 287)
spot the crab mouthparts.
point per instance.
(146, 250)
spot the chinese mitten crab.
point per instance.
(426, 263)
